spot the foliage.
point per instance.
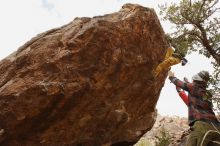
(143, 142)
(164, 139)
(197, 28)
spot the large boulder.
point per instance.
(87, 83)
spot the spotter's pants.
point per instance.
(204, 134)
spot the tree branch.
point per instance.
(206, 44)
(207, 11)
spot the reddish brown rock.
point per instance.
(88, 83)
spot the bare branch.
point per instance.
(213, 4)
(207, 12)
(207, 45)
(200, 9)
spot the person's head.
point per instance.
(202, 77)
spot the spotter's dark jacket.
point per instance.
(200, 106)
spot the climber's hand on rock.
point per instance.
(171, 74)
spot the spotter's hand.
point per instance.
(171, 74)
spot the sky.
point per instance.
(21, 20)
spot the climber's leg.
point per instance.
(169, 53)
(166, 64)
(159, 67)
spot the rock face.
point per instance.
(88, 83)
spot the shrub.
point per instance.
(164, 138)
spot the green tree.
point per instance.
(197, 28)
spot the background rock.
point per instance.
(175, 127)
(87, 83)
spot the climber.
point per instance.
(202, 120)
(171, 58)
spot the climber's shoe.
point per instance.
(183, 61)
